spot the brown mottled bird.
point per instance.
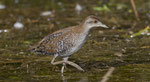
(67, 41)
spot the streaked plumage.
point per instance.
(67, 41)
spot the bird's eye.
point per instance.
(95, 21)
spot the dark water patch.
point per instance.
(95, 57)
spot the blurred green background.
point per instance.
(24, 22)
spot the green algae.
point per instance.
(104, 48)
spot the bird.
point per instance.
(65, 42)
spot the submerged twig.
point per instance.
(108, 74)
(134, 9)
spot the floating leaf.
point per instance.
(130, 11)
(103, 8)
(121, 6)
(145, 31)
(26, 42)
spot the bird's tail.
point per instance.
(38, 50)
(33, 49)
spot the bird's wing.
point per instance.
(53, 43)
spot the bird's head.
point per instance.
(93, 21)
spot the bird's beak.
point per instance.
(104, 26)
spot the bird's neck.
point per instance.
(83, 29)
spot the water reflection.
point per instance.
(63, 78)
(66, 78)
(132, 61)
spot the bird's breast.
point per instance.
(78, 41)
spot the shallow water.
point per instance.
(104, 48)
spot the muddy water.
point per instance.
(104, 48)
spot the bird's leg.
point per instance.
(62, 69)
(52, 62)
(64, 64)
(68, 62)
(74, 65)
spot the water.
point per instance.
(104, 48)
